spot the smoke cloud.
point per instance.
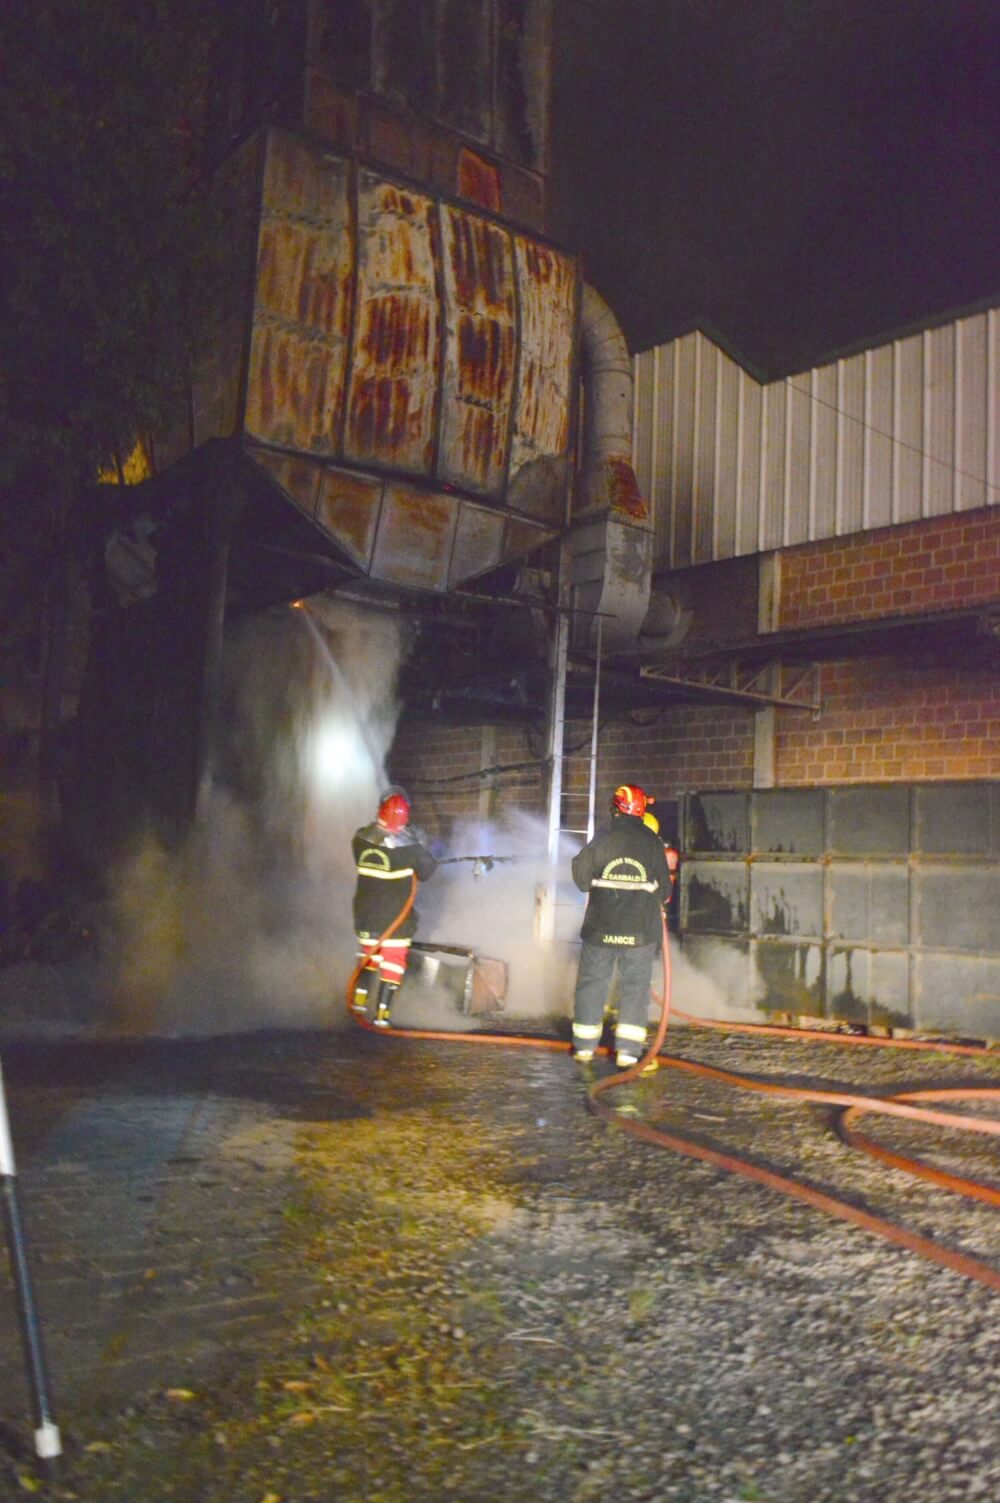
(248, 925)
(492, 908)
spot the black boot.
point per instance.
(381, 1004)
(364, 990)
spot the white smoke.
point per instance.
(248, 925)
(492, 907)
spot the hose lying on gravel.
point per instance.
(852, 1105)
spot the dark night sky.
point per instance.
(798, 175)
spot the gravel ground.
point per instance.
(502, 1296)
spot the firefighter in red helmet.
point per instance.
(624, 870)
(387, 855)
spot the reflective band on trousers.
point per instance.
(630, 1031)
(370, 871)
(626, 886)
(587, 1030)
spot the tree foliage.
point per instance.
(103, 242)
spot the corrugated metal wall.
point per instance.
(877, 905)
(907, 430)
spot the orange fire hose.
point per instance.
(851, 1104)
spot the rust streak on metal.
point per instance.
(393, 394)
(547, 283)
(480, 352)
(303, 295)
(348, 509)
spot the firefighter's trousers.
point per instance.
(388, 959)
(635, 971)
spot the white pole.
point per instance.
(47, 1440)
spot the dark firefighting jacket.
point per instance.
(386, 864)
(625, 872)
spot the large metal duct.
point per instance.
(611, 539)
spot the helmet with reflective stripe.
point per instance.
(394, 812)
(629, 799)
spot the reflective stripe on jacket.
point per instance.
(385, 862)
(625, 871)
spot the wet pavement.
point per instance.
(276, 1267)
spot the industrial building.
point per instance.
(774, 604)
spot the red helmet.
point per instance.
(394, 812)
(630, 799)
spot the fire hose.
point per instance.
(850, 1106)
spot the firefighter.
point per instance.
(387, 855)
(670, 851)
(624, 870)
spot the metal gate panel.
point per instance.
(890, 918)
(869, 902)
(788, 821)
(786, 898)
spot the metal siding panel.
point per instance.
(868, 986)
(790, 973)
(955, 908)
(852, 444)
(751, 396)
(824, 452)
(298, 477)
(727, 459)
(869, 903)
(786, 899)
(908, 425)
(521, 537)
(939, 484)
(773, 467)
(643, 376)
(704, 462)
(957, 819)
(547, 289)
(393, 390)
(883, 429)
(302, 305)
(788, 821)
(717, 822)
(478, 543)
(663, 493)
(479, 352)
(870, 821)
(993, 407)
(878, 437)
(715, 897)
(684, 450)
(970, 427)
(348, 509)
(415, 533)
(798, 446)
(957, 993)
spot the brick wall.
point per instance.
(942, 564)
(437, 765)
(882, 719)
(693, 747)
(888, 720)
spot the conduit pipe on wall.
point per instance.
(611, 541)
